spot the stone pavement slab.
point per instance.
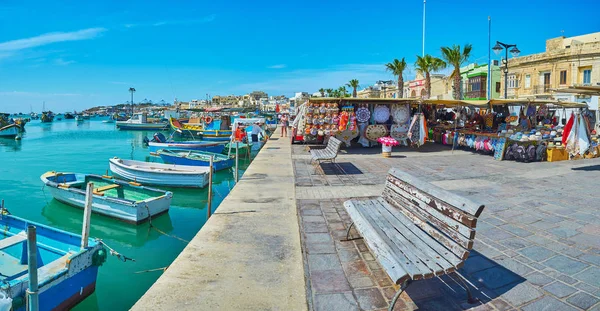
(537, 245)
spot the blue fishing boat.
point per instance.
(159, 141)
(196, 158)
(66, 272)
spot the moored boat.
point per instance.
(78, 118)
(47, 117)
(196, 158)
(11, 130)
(139, 121)
(187, 145)
(128, 202)
(66, 272)
(207, 132)
(244, 149)
(160, 174)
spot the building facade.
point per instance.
(475, 80)
(573, 61)
(416, 88)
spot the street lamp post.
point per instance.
(514, 51)
(131, 90)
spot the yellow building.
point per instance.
(566, 62)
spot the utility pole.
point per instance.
(423, 51)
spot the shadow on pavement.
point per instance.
(587, 168)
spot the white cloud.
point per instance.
(280, 66)
(62, 62)
(49, 38)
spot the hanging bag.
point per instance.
(563, 120)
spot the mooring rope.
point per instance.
(163, 269)
(113, 252)
(160, 231)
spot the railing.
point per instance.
(476, 94)
(542, 89)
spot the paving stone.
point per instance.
(360, 282)
(583, 300)
(329, 281)
(313, 219)
(513, 266)
(495, 233)
(590, 276)
(536, 265)
(565, 264)
(559, 289)
(585, 287)
(318, 238)
(516, 230)
(563, 232)
(548, 304)
(320, 248)
(495, 277)
(519, 294)
(566, 279)
(381, 278)
(477, 263)
(370, 298)
(586, 239)
(335, 302)
(356, 269)
(321, 262)
(348, 254)
(515, 243)
(311, 212)
(500, 304)
(539, 279)
(312, 227)
(591, 258)
(537, 253)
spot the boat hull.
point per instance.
(123, 125)
(11, 130)
(217, 165)
(66, 273)
(208, 147)
(198, 180)
(129, 211)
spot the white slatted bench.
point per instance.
(415, 229)
(329, 153)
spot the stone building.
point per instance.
(573, 61)
(416, 88)
(475, 79)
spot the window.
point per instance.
(587, 76)
(563, 77)
(497, 87)
(527, 81)
(513, 82)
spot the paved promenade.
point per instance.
(247, 256)
(537, 244)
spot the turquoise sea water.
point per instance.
(85, 148)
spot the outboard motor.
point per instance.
(160, 138)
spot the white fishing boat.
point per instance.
(139, 121)
(160, 174)
(129, 202)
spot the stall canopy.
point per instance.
(582, 90)
(452, 102)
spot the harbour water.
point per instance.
(86, 147)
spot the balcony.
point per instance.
(475, 94)
(542, 89)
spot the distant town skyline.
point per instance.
(89, 54)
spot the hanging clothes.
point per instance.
(568, 128)
(583, 140)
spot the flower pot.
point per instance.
(386, 151)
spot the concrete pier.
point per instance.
(248, 255)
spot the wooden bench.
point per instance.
(415, 229)
(329, 153)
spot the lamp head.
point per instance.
(515, 51)
(497, 48)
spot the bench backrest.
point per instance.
(446, 217)
(334, 144)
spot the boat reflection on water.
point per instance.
(10, 144)
(70, 219)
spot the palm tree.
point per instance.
(426, 65)
(342, 91)
(454, 57)
(397, 68)
(329, 92)
(354, 85)
(322, 91)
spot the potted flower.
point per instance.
(386, 145)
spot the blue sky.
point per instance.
(78, 54)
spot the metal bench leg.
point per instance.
(470, 298)
(403, 287)
(348, 235)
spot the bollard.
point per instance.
(237, 156)
(32, 291)
(210, 176)
(87, 215)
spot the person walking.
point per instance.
(284, 125)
